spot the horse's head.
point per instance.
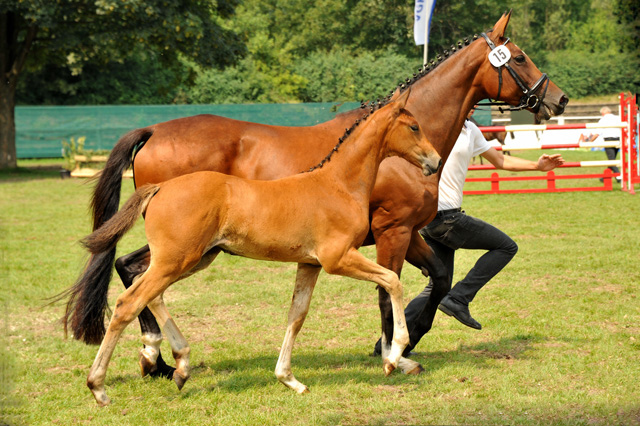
(510, 76)
(405, 138)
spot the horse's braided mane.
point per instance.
(402, 86)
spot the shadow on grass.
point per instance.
(22, 174)
(335, 368)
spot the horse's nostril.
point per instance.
(564, 100)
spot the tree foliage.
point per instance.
(47, 36)
(301, 51)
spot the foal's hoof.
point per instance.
(103, 402)
(303, 390)
(387, 367)
(100, 395)
(179, 379)
(416, 371)
(146, 365)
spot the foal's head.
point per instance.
(509, 75)
(405, 137)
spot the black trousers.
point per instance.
(612, 153)
(450, 232)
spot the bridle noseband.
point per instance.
(529, 99)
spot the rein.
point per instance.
(529, 98)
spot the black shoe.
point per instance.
(459, 312)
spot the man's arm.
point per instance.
(508, 162)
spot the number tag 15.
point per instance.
(499, 56)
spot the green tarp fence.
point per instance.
(41, 130)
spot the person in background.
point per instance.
(608, 134)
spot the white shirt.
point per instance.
(470, 143)
(609, 119)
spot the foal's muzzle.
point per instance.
(431, 165)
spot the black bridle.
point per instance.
(529, 99)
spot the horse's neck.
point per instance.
(354, 166)
(441, 100)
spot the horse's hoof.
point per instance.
(416, 371)
(179, 379)
(163, 369)
(387, 366)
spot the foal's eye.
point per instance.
(415, 128)
(520, 59)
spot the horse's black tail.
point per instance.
(104, 204)
(88, 302)
(106, 194)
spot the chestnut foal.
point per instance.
(316, 219)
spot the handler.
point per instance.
(453, 229)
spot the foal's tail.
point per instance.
(88, 302)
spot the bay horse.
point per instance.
(317, 219)
(403, 200)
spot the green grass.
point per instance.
(560, 342)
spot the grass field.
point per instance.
(560, 342)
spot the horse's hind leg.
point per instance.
(306, 279)
(129, 267)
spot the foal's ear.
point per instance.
(500, 27)
(400, 98)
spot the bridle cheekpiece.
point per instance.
(500, 57)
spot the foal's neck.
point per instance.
(354, 166)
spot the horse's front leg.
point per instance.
(306, 278)
(391, 246)
(129, 267)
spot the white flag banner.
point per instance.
(422, 23)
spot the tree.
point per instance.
(35, 33)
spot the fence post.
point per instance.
(608, 179)
(551, 180)
(495, 182)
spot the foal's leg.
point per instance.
(353, 264)
(391, 245)
(128, 305)
(129, 267)
(306, 278)
(179, 344)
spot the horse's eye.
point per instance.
(520, 59)
(415, 128)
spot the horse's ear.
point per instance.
(500, 27)
(400, 98)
